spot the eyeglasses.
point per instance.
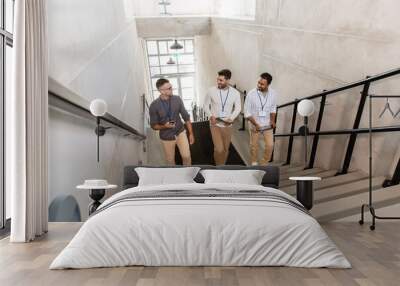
(169, 88)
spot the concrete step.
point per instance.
(289, 186)
(333, 193)
(284, 178)
(290, 169)
(300, 172)
(284, 168)
(351, 205)
(278, 164)
(329, 181)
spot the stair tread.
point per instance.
(301, 172)
(350, 205)
(289, 186)
(347, 189)
(291, 169)
(202, 150)
(329, 181)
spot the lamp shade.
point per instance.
(176, 46)
(98, 107)
(171, 61)
(305, 107)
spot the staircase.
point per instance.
(339, 197)
(335, 197)
(341, 193)
(201, 151)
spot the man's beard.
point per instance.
(166, 95)
(222, 86)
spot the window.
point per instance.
(180, 72)
(6, 43)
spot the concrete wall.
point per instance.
(223, 8)
(234, 8)
(309, 46)
(172, 27)
(178, 7)
(95, 52)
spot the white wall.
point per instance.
(95, 52)
(177, 7)
(234, 8)
(223, 8)
(172, 27)
(309, 46)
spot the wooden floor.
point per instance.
(375, 257)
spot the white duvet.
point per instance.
(200, 231)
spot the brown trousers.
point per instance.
(183, 145)
(254, 145)
(221, 137)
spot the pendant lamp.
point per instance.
(176, 46)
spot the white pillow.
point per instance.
(165, 176)
(248, 177)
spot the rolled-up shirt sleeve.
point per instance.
(182, 110)
(247, 106)
(237, 106)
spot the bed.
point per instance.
(201, 224)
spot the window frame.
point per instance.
(178, 74)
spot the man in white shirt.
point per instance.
(222, 105)
(260, 110)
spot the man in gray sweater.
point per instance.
(165, 115)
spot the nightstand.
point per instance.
(304, 190)
(97, 190)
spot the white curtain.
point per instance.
(26, 123)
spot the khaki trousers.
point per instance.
(183, 145)
(254, 145)
(221, 137)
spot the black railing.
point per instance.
(352, 132)
(65, 99)
(365, 84)
(198, 113)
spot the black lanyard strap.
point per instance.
(226, 98)
(266, 99)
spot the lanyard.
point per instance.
(266, 99)
(167, 107)
(226, 98)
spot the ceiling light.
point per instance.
(176, 46)
(171, 61)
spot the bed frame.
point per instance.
(270, 179)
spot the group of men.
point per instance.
(222, 105)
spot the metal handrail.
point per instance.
(353, 134)
(347, 86)
(365, 83)
(344, 131)
(64, 98)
